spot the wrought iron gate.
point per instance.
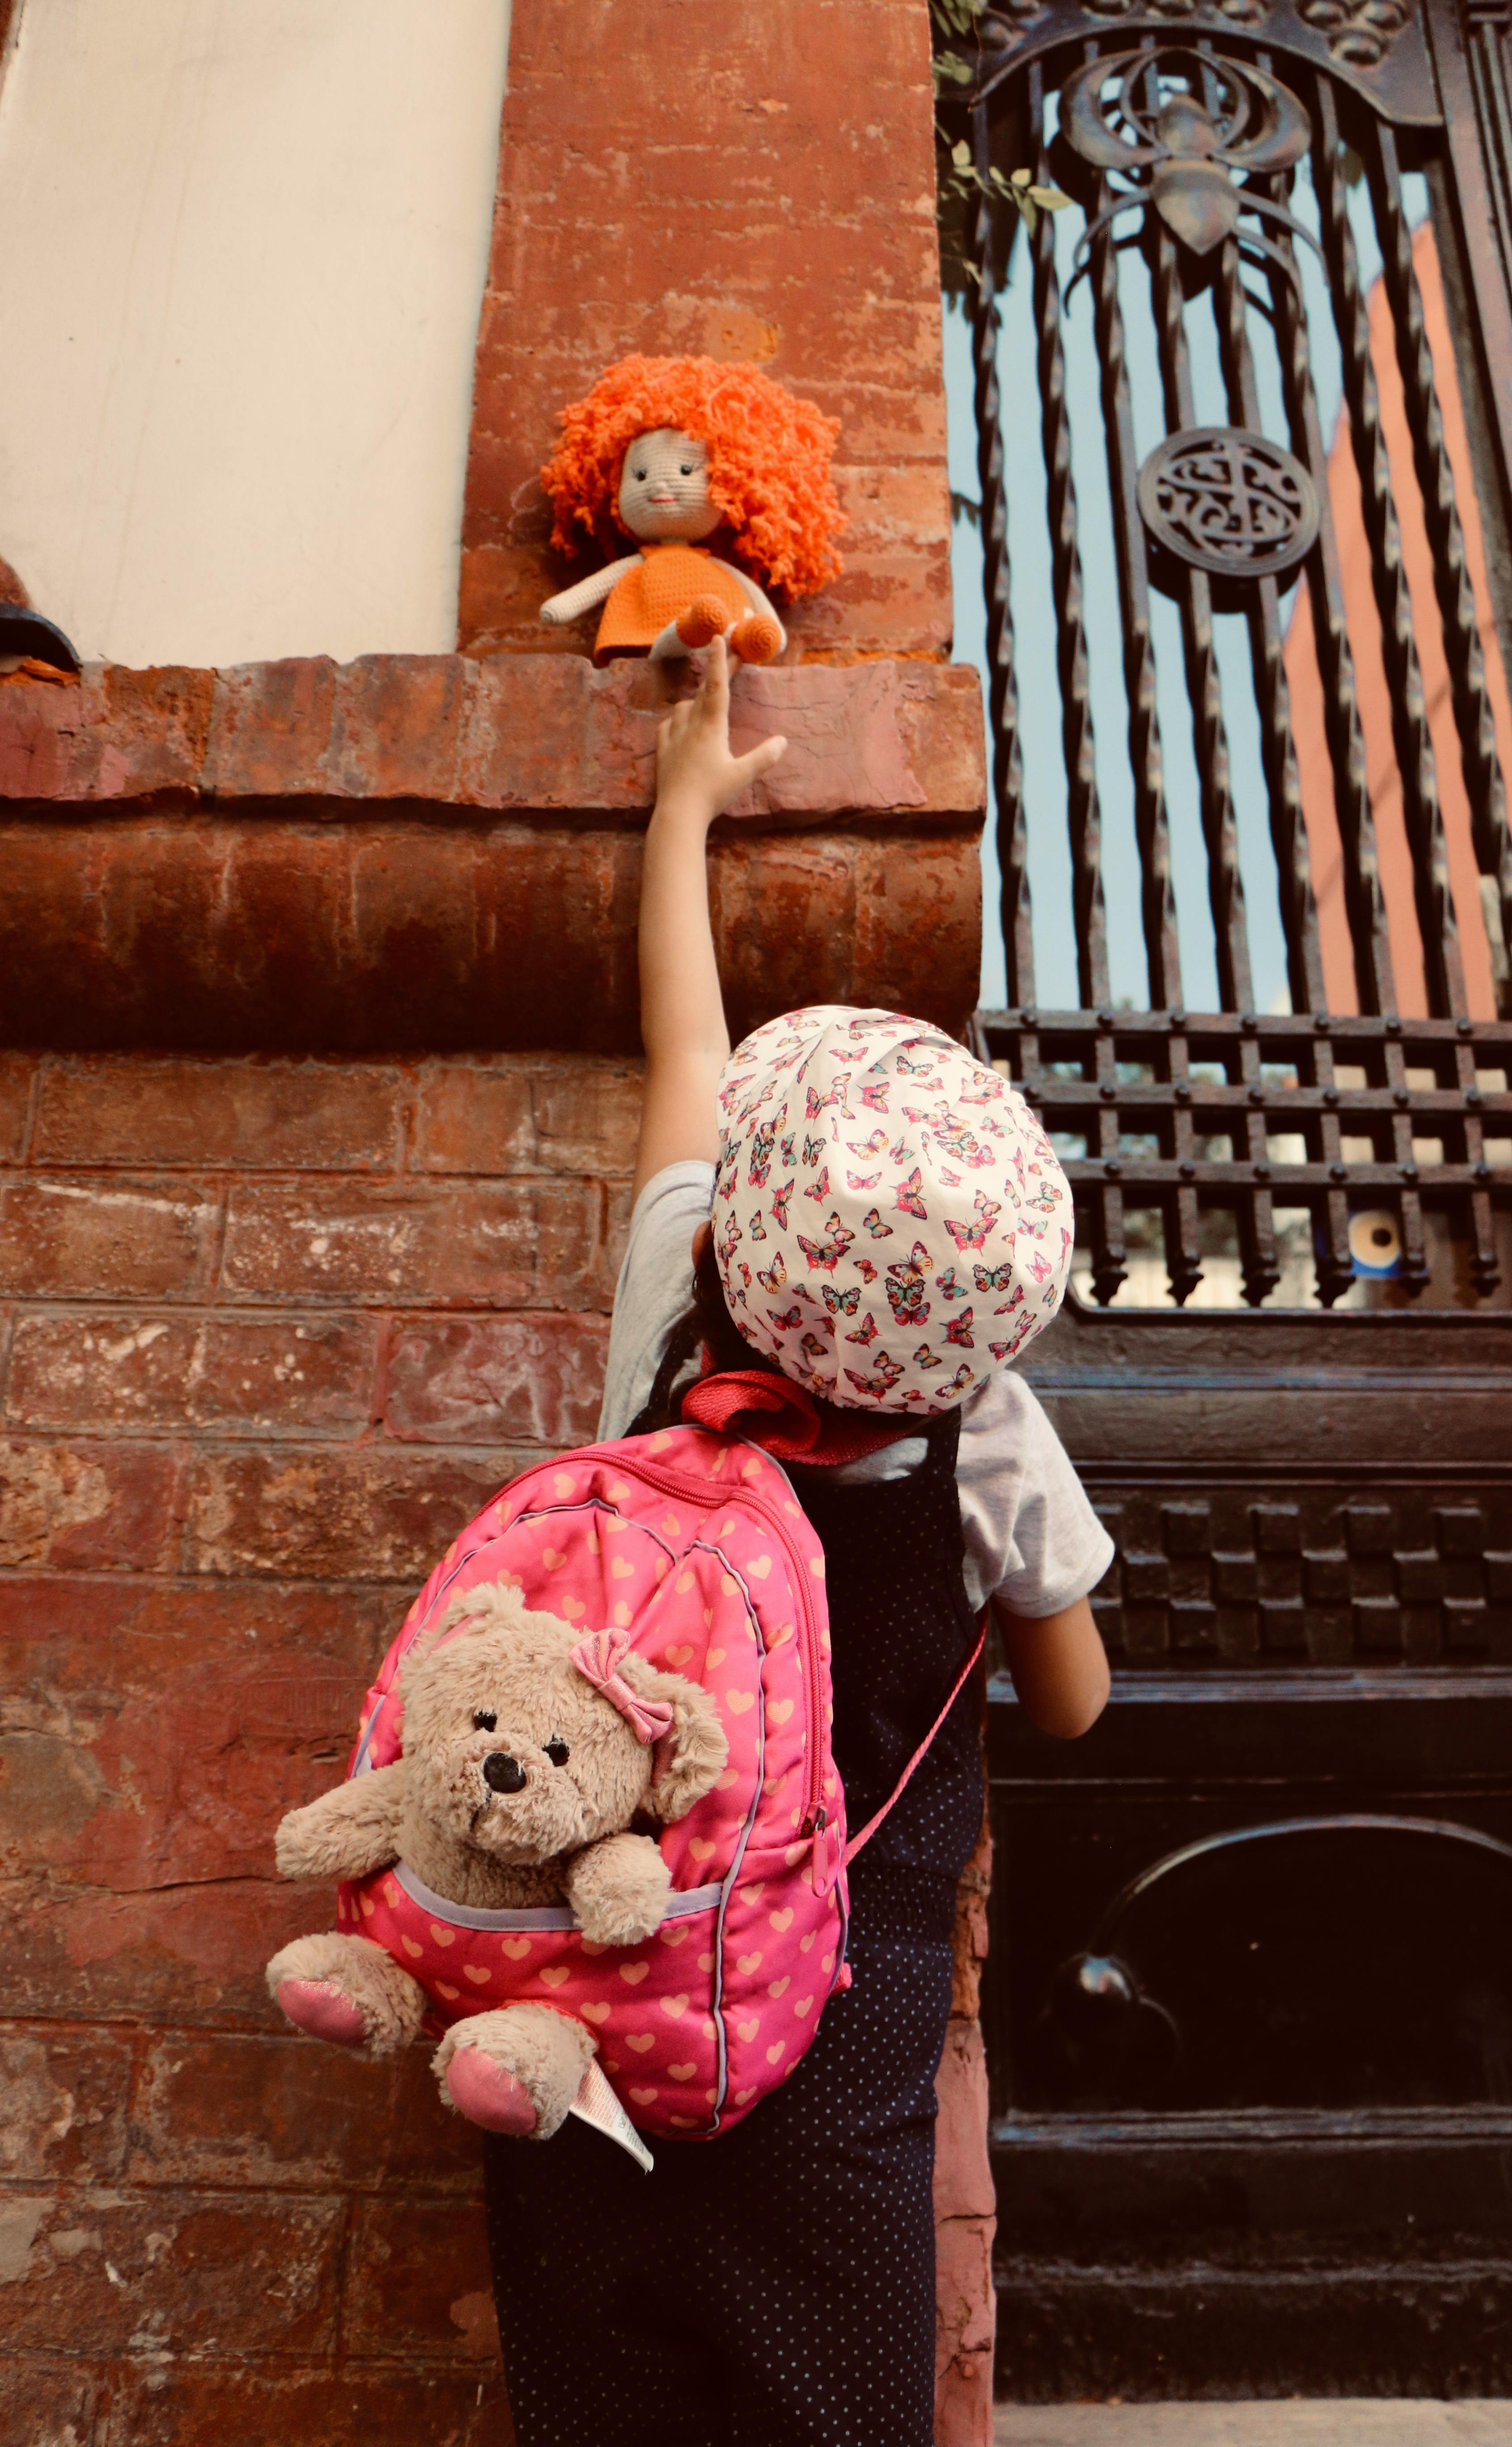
(1251, 1990)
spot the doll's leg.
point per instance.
(517, 2070)
(755, 637)
(347, 1990)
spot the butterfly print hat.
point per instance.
(890, 1221)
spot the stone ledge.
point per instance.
(445, 736)
(435, 853)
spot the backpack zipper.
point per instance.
(814, 1818)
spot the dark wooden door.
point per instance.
(1250, 1994)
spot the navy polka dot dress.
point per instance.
(775, 2287)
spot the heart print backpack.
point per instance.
(696, 1544)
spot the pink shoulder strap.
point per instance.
(865, 1834)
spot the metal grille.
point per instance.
(1221, 150)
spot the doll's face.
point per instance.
(664, 488)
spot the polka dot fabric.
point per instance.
(891, 1223)
(696, 1544)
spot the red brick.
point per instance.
(98, 1508)
(17, 1073)
(390, 1245)
(399, 726)
(270, 732)
(47, 2403)
(285, 1373)
(418, 2282)
(289, 1116)
(379, 1512)
(65, 2094)
(182, 1955)
(918, 927)
(514, 1114)
(373, 2404)
(110, 2269)
(535, 1379)
(300, 1656)
(101, 1368)
(475, 1117)
(103, 1237)
(224, 2108)
(763, 894)
(120, 735)
(587, 1116)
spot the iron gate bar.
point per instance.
(1002, 684)
(1304, 958)
(1084, 814)
(1443, 970)
(1365, 904)
(1246, 1109)
(1483, 783)
(1194, 598)
(1151, 824)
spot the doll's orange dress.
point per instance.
(670, 577)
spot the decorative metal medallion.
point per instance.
(1184, 127)
(1228, 501)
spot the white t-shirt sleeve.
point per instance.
(656, 1286)
(1032, 1539)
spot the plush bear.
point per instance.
(528, 1751)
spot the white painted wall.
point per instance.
(242, 248)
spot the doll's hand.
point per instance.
(695, 771)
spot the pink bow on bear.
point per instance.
(597, 1660)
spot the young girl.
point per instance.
(775, 2287)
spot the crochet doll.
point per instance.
(673, 450)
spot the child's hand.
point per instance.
(695, 771)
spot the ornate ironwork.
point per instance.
(1229, 502)
(1183, 124)
(1170, 1104)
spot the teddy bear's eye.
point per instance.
(556, 1751)
(484, 1720)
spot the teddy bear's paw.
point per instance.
(488, 2094)
(618, 1890)
(347, 1990)
(531, 2062)
(319, 2007)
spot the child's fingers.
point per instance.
(759, 760)
(713, 697)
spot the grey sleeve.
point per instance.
(654, 1287)
(1032, 1539)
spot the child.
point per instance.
(775, 2287)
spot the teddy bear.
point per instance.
(529, 1750)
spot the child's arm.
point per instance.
(1059, 1667)
(682, 1011)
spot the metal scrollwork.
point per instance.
(1182, 128)
(1228, 501)
(1359, 33)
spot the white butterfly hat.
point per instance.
(890, 1221)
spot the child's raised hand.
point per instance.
(694, 767)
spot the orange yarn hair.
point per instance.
(768, 460)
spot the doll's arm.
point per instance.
(682, 1011)
(587, 595)
(348, 1832)
(761, 603)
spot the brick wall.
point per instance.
(273, 1331)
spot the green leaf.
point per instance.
(1022, 178)
(962, 155)
(1049, 199)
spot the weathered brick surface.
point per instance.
(271, 1331)
(797, 142)
(413, 853)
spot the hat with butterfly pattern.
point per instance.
(890, 1221)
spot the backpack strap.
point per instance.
(865, 1834)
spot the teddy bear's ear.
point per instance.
(693, 1754)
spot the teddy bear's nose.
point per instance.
(502, 1774)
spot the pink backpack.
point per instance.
(695, 1542)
